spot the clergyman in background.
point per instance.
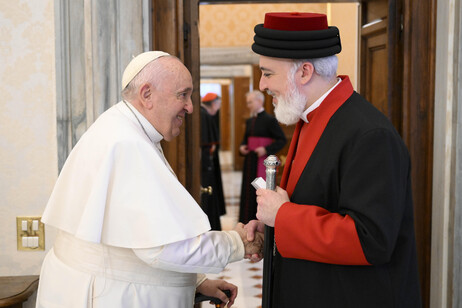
(213, 204)
(263, 136)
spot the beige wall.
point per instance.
(28, 159)
(345, 16)
(231, 25)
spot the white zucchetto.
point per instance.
(138, 63)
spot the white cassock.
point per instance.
(130, 235)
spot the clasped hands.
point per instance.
(269, 203)
(253, 248)
(260, 151)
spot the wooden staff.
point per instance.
(271, 163)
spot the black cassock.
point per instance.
(263, 125)
(213, 205)
(358, 175)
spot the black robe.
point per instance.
(346, 238)
(263, 125)
(213, 205)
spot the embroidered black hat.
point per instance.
(296, 36)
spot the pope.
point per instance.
(129, 234)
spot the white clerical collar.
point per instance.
(318, 102)
(258, 112)
(152, 133)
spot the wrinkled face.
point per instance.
(279, 80)
(172, 99)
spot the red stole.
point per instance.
(306, 135)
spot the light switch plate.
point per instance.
(40, 233)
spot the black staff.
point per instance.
(271, 163)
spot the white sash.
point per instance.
(115, 263)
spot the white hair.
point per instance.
(325, 67)
(257, 94)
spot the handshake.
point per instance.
(253, 241)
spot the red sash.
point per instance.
(255, 142)
(307, 135)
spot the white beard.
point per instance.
(290, 107)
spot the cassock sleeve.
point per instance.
(373, 183)
(207, 253)
(247, 131)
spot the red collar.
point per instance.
(306, 135)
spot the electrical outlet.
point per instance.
(31, 233)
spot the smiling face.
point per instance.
(279, 80)
(171, 98)
(274, 76)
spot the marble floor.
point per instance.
(245, 274)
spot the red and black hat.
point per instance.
(296, 36)
(209, 97)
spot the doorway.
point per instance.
(226, 35)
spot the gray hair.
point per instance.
(258, 95)
(153, 73)
(325, 67)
